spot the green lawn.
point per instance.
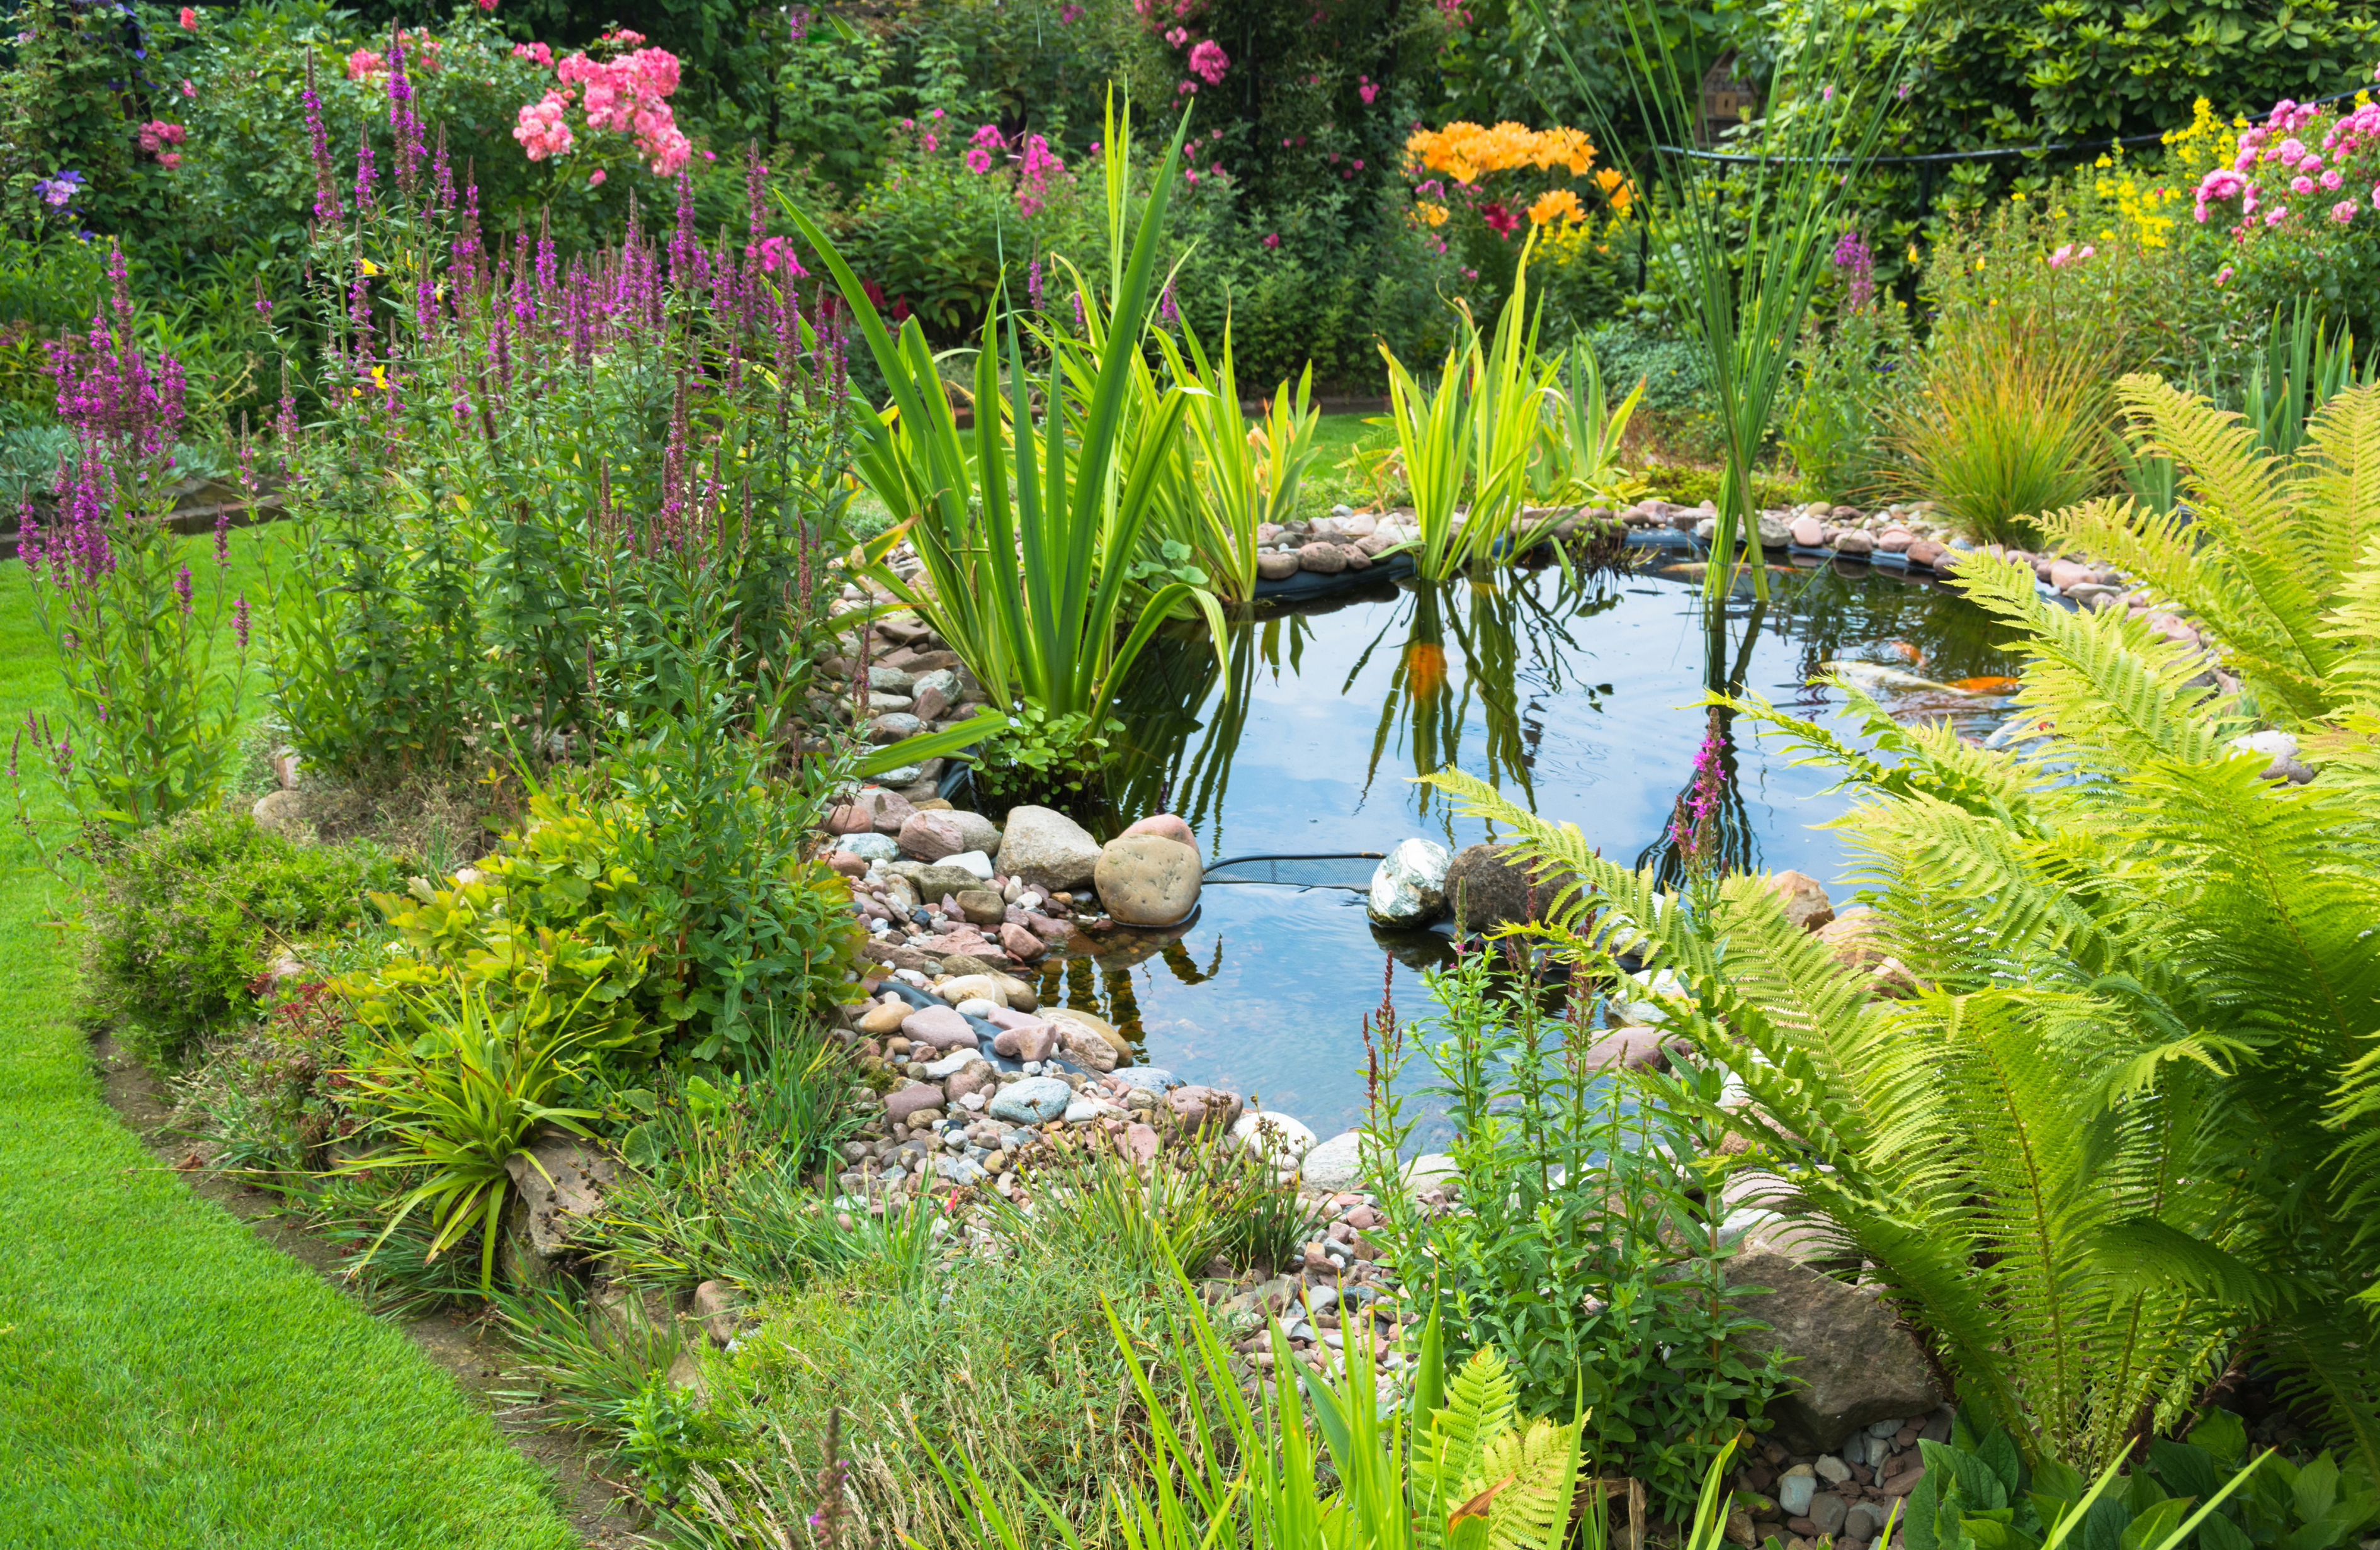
(166, 1378)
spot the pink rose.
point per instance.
(190, 19)
(595, 178)
(2343, 211)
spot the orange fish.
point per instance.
(1424, 668)
(1906, 652)
(1986, 686)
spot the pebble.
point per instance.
(1034, 1101)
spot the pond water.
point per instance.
(1578, 698)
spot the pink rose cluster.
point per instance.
(2276, 156)
(629, 95)
(536, 54)
(157, 135)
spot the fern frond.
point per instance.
(1480, 1403)
(2108, 684)
(2261, 574)
(2338, 477)
(1931, 759)
(1532, 1467)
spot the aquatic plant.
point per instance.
(1028, 525)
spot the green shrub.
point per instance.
(1688, 485)
(1568, 1255)
(184, 917)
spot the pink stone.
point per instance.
(931, 703)
(977, 1077)
(850, 865)
(1204, 1109)
(2064, 574)
(1808, 531)
(890, 809)
(1851, 540)
(931, 836)
(1142, 1140)
(1926, 552)
(1032, 1041)
(1021, 944)
(1169, 825)
(1009, 1017)
(909, 1101)
(1895, 540)
(1049, 928)
(851, 818)
(939, 1026)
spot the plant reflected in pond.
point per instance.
(1581, 698)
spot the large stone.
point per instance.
(970, 987)
(934, 883)
(1856, 939)
(931, 836)
(1808, 531)
(1084, 1047)
(1336, 1164)
(1204, 1109)
(940, 1027)
(1047, 849)
(1033, 1040)
(1322, 558)
(1488, 886)
(902, 1102)
(981, 906)
(979, 833)
(1272, 564)
(1851, 540)
(885, 1017)
(1020, 943)
(1034, 1101)
(1409, 888)
(1852, 1362)
(557, 1188)
(1279, 1139)
(1805, 900)
(2279, 751)
(1148, 880)
(1089, 1023)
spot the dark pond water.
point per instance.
(1577, 699)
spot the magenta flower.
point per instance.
(1208, 62)
(979, 160)
(2343, 211)
(1273, 240)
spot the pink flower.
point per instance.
(989, 137)
(2301, 185)
(1191, 177)
(1208, 62)
(190, 86)
(776, 255)
(932, 142)
(978, 161)
(169, 159)
(190, 19)
(2343, 211)
(538, 53)
(2289, 150)
(595, 178)
(364, 65)
(2222, 275)
(1176, 37)
(2275, 215)
(1273, 240)
(2331, 180)
(1368, 89)
(2376, 196)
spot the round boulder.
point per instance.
(1279, 1139)
(1409, 889)
(1168, 825)
(1036, 1100)
(1204, 1109)
(1047, 849)
(1148, 880)
(1488, 886)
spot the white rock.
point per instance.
(1276, 1137)
(2280, 748)
(976, 1006)
(1336, 1164)
(901, 775)
(952, 1064)
(969, 861)
(1409, 889)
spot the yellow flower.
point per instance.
(380, 375)
(1466, 153)
(1617, 188)
(1431, 215)
(369, 267)
(1556, 203)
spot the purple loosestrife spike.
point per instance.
(326, 187)
(1858, 264)
(442, 174)
(364, 176)
(685, 252)
(182, 589)
(223, 534)
(29, 548)
(239, 620)
(263, 306)
(547, 260)
(1167, 314)
(1033, 284)
(403, 128)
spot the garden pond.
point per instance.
(1577, 696)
